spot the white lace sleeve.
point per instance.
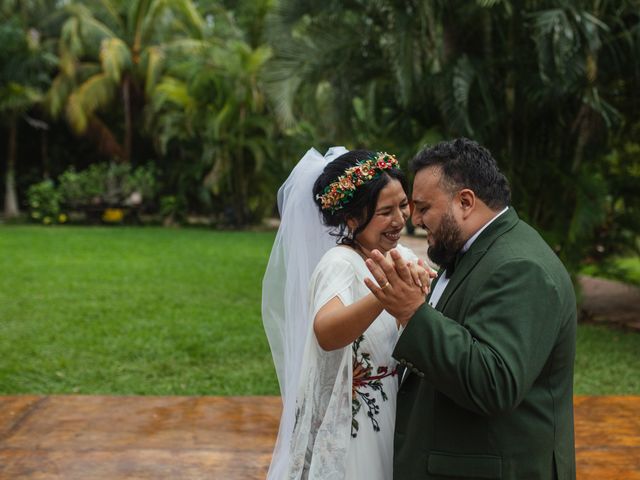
(333, 277)
(322, 429)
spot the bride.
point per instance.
(330, 338)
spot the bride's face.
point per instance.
(391, 213)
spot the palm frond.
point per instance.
(115, 58)
(94, 93)
(192, 16)
(462, 80)
(257, 58)
(488, 3)
(402, 57)
(112, 15)
(187, 46)
(58, 93)
(154, 60)
(220, 119)
(16, 98)
(609, 114)
(282, 95)
(590, 208)
(135, 19)
(180, 17)
(70, 39)
(172, 90)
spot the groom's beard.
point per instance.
(447, 241)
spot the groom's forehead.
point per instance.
(427, 184)
(428, 176)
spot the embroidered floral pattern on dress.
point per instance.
(363, 385)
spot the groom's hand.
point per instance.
(398, 292)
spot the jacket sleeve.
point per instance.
(488, 362)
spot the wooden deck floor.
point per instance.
(184, 438)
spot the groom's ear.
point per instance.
(467, 201)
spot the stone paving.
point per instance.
(195, 438)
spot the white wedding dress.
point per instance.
(346, 403)
(331, 427)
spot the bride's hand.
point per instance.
(394, 285)
(421, 274)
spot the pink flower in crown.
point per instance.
(386, 161)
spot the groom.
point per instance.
(487, 391)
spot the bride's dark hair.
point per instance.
(362, 205)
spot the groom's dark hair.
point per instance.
(466, 164)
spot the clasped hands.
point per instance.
(401, 286)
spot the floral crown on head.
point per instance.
(338, 193)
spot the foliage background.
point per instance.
(195, 111)
(221, 97)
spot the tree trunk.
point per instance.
(128, 127)
(510, 92)
(487, 34)
(583, 125)
(11, 209)
(44, 153)
(241, 192)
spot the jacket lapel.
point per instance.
(501, 225)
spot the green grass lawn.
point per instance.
(624, 269)
(133, 311)
(173, 312)
(607, 361)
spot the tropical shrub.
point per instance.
(44, 203)
(104, 191)
(172, 209)
(107, 185)
(209, 113)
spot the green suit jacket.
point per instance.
(489, 386)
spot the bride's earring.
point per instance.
(352, 226)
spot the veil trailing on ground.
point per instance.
(300, 243)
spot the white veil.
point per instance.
(300, 243)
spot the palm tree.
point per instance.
(212, 104)
(25, 63)
(547, 102)
(111, 52)
(542, 83)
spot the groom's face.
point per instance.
(434, 212)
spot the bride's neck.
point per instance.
(362, 251)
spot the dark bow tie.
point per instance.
(451, 267)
